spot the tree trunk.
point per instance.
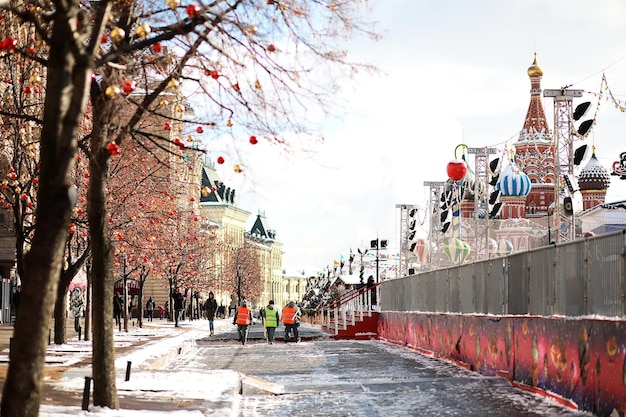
(64, 107)
(60, 319)
(102, 279)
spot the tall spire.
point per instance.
(535, 126)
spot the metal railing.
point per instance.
(349, 307)
(577, 278)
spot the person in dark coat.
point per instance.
(16, 298)
(179, 306)
(210, 308)
(118, 306)
(150, 308)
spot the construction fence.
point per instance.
(578, 278)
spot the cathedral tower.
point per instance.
(534, 149)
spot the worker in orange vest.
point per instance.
(243, 319)
(291, 320)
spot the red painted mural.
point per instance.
(582, 360)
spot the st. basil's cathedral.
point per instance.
(515, 212)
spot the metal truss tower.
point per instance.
(435, 235)
(406, 255)
(481, 196)
(564, 156)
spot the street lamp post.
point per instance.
(377, 245)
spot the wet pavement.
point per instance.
(323, 377)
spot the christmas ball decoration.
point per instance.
(253, 140)
(8, 44)
(199, 129)
(114, 149)
(238, 169)
(271, 47)
(214, 74)
(129, 86)
(257, 84)
(112, 91)
(104, 38)
(34, 79)
(229, 123)
(117, 34)
(236, 87)
(173, 84)
(193, 10)
(167, 126)
(456, 170)
(220, 160)
(157, 48)
(143, 30)
(173, 3)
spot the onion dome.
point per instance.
(535, 70)
(513, 182)
(594, 176)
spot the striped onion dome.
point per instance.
(513, 182)
(594, 176)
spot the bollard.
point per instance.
(79, 332)
(49, 337)
(86, 391)
(128, 364)
(10, 345)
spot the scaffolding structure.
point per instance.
(564, 158)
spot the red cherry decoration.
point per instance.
(456, 170)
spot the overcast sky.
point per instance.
(452, 72)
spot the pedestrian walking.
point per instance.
(210, 308)
(179, 306)
(271, 318)
(150, 308)
(16, 298)
(118, 307)
(242, 319)
(291, 320)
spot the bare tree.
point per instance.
(259, 66)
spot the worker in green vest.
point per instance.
(271, 318)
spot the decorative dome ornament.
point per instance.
(594, 176)
(513, 182)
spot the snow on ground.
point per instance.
(148, 374)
